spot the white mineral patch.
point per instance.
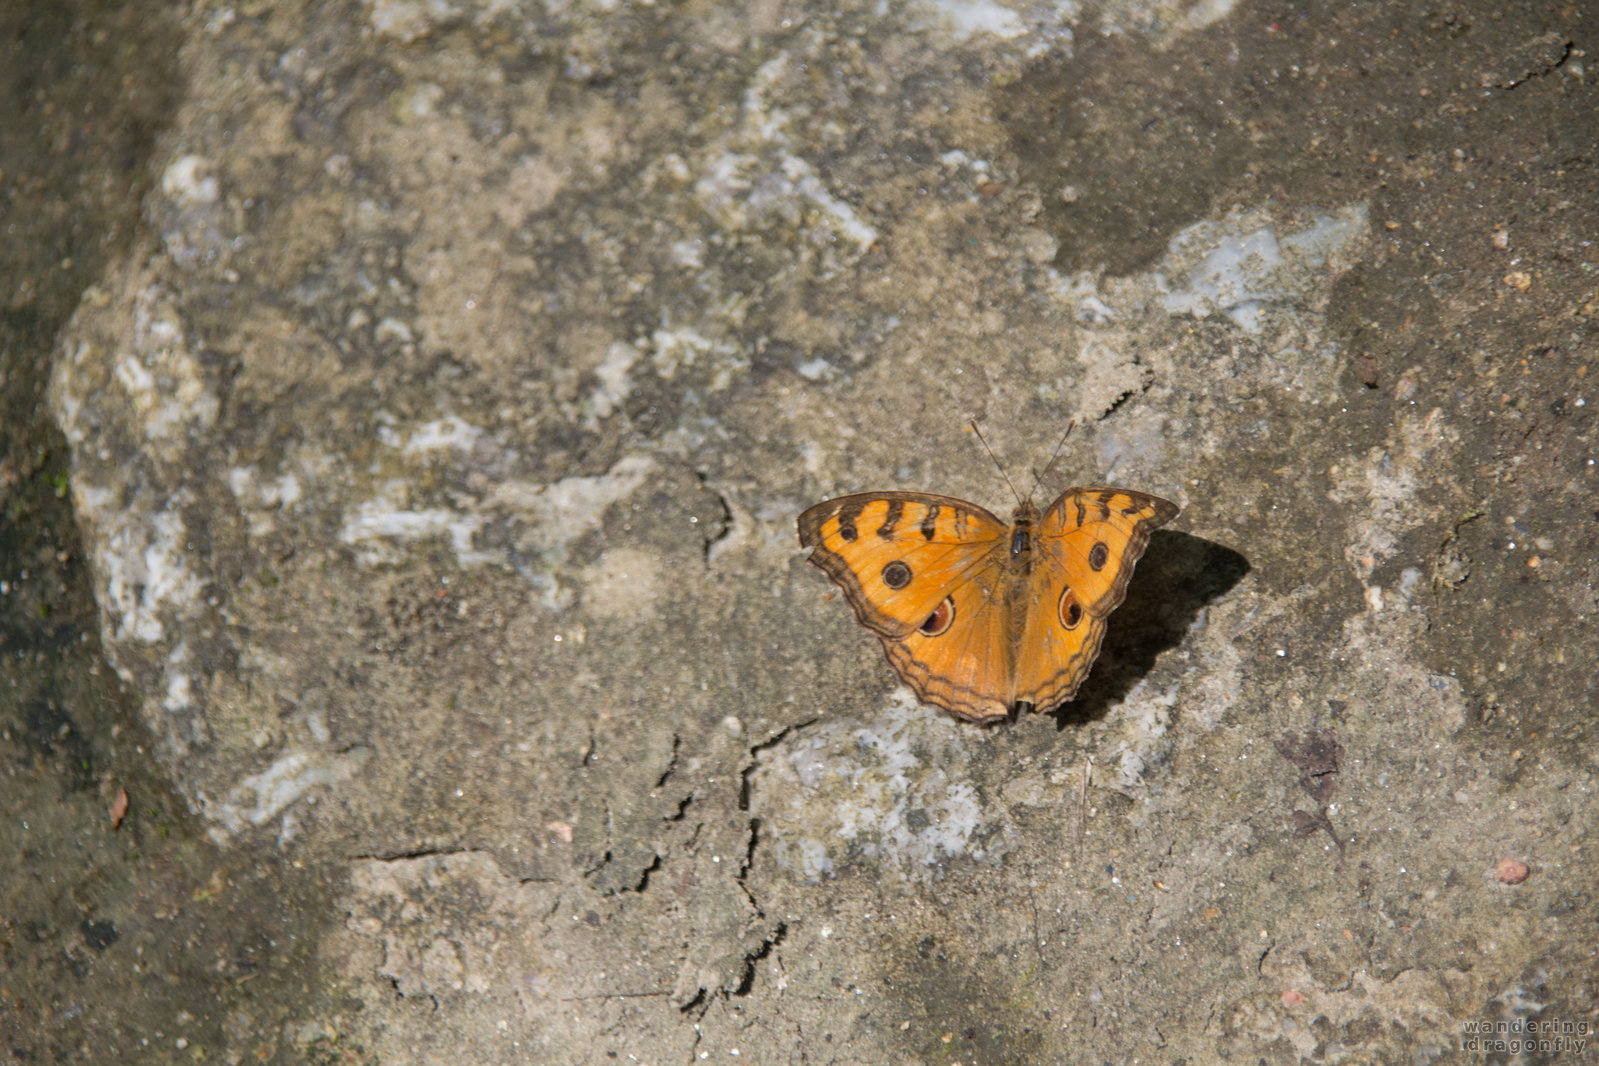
(171, 399)
(570, 507)
(440, 434)
(690, 254)
(1379, 491)
(261, 499)
(1081, 292)
(744, 190)
(968, 18)
(259, 797)
(544, 518)
(141, 562)
(1207, 13)
(722, 183)
(252, 491)
(613, 382)
(673, 349)
(1162, 20)
(1145, 719)
(1241, 268)
(804, 182)
(383, 520)
(817, 369)
(162, 379)
(1213, 685)
(179, 692)
(812, 457)
(1054, 24)
(420, 102)
(409, 20)
(878, 791)
(188, 181)
(754, 178)
(392, 331)
(565, 510)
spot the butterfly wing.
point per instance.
(962, 658)
(1086, 546)
(898, 555)
(926, 574)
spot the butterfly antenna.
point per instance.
(1038, 478)
(991, 455)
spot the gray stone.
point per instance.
(438, 448)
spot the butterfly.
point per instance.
(977, 616)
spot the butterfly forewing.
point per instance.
(1093, 536)
(899, 555)
(1087, 544)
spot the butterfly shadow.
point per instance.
(1179, 575)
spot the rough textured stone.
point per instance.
(438, 449)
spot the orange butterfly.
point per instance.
(976, 616)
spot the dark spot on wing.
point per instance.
(847, 516)
(941, 619)
(1069, 610)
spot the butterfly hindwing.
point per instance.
(961, 658)
(899, 555)
(1053, 656)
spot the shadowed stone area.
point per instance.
(438, 434)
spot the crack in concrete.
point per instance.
(615, 995)
(751, 959)
(701, 1002)
(671, 766)
(682, 809)
(723, 527)
(755, 757)
(644, 878)
(701, 999)
(404, 856)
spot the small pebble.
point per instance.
(1511, 871)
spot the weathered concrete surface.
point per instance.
(438, 451)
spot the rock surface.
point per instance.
(437, 448)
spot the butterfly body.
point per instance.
(979, 616)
